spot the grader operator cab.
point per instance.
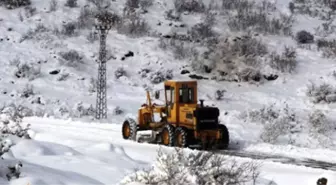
(183, 122)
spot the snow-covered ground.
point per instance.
(88, 152)
(65, 152)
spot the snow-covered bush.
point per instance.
(276, 121)
(286, 62)
(194, 6)
(27, 91)
(239, 58)
(161, 75)
(117, 110)
(179, 48)
(53, 5)
(120, 72)
(36, 33)
(145, 4)
(92, 36)
(219, 94)
(86, 18)
(71, 58)
(195, 168)
(133, 25)
(11, 4)
(63, 77)
(93, 85)
(319, 123)
(304, 37)
(321, 93)
(257, 17)
(71, 3)
(204, 29)
(132, 4)
(80, 110)
(25, 70)
(69, 29)
(328, 47)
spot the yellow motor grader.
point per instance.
(183, 122)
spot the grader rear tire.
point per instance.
(181, 137)
(224, 143)
(129, 129)
(167, 135)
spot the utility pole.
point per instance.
(104, 22)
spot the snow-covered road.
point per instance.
(65, 152)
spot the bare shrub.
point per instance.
(29, 11)
(25, 70)
(34, 33)
(321, 93)
(277, 122)
(194, 6)
(286, 62)
(204, 29)
(161, 75)
(86, 18)
(63, 77)
(120, 72)
(328, 47)
(69, 29)
(92, 36)
(12, 4)
(172, 15)
(145, 4)
(93, 85)
(319, 123)
(304, 37)
(27, 91)
(179, 48)
(239, 59)
(133, 26)
(259, 20)
(201, 168)
(53, 5)
(117, 110)
(219, 94)
(132, 4)
(71, 3)
(71, 58)
(80, 110)
(101, 4)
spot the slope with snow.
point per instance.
(88, 153)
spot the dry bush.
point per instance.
(286, 62)
(179, 48)
(203, 30)
(37, 33)
(25, 70)
(101, 4)
(194, 6)
(304, 37)
(12, 4)
(133, 25)
(276, 121)
(252, 16)
(71, 3)
(200, 168)
(328, 47)
(53, 5)
(86, 18)
(321, 93)
(71, 58)
(319, 123)
(238, 59)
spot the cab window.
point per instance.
(186, 95)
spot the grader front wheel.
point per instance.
(225, 140)
(129, 129)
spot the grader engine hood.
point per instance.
(206, 118)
